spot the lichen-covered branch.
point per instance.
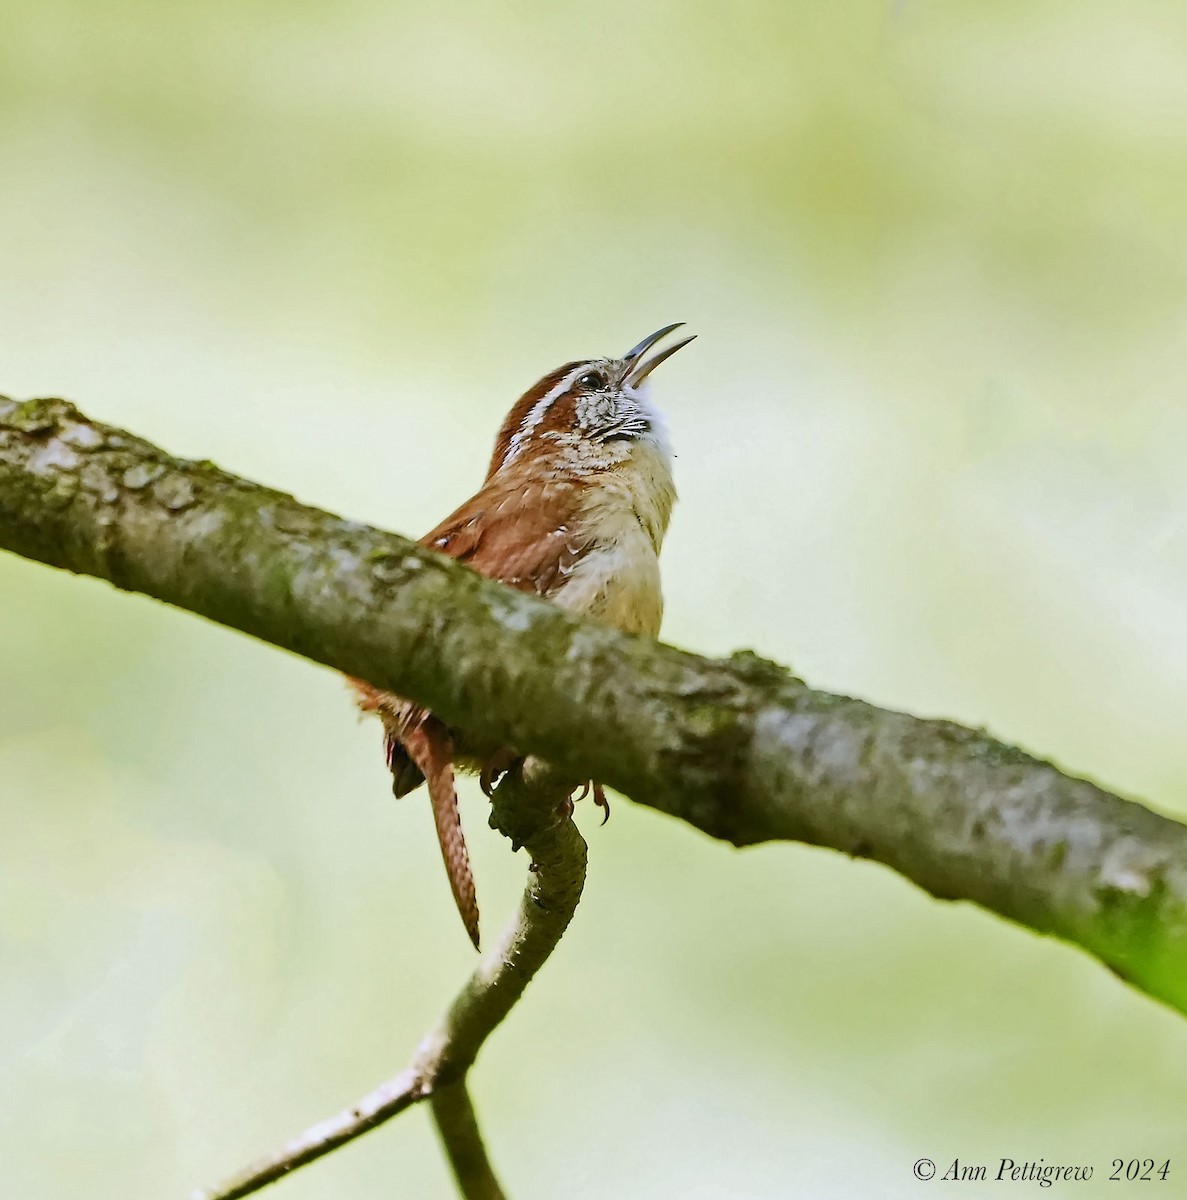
(525, 807)
(739, 748)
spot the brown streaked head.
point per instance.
(591, 401)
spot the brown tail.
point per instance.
(430, 747)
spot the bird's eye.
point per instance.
(592, 381)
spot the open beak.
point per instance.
(638, 367)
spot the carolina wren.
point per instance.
(574, 508)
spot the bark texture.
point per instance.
(739, 747)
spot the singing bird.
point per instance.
(574, 508)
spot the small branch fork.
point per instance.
(525, 808)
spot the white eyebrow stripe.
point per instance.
(538, 412)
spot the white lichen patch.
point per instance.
(326, 587)
(141, 475)
(346, 562)
(207, 523)
(1131, 867)
(85, 437)
(516, 619)
(175, 492)
(54, 456)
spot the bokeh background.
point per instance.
(931, 446)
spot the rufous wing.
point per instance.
(523, 531)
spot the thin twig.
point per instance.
(462, 1142)
(525, 808)
(373, 1109)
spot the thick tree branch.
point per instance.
(525, 808)
(739, 748)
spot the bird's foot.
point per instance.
(599, 795)
(495, 768)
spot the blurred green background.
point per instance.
(931, 446)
